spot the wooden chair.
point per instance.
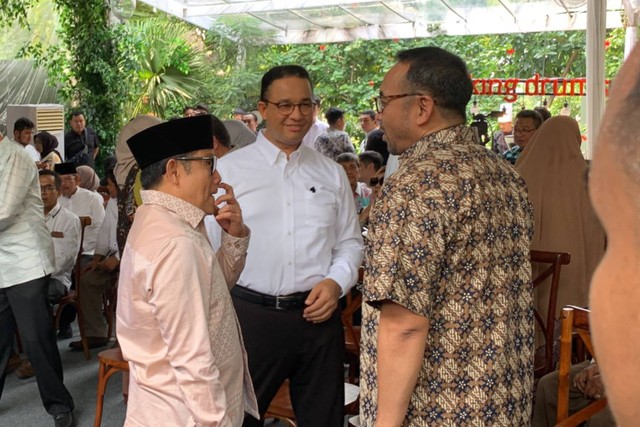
(554, 262)
(71, 298)
(111, 361)
(575, 323)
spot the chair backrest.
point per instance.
(85, 221)
(551, 263)
(575, 323)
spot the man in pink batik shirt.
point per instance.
(175, 320)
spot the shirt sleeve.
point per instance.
(406, 240)
(347, 253)
(232, 255)
(71, 244)
(177, 278)
(15, 175)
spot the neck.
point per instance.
(48, 209)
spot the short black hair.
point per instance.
(316, 100)
(250, 113)
(202, 107)
(23, 123)
(151, 176)
(348, 157)
(57, 180)
(530, 114)
(77, 113)
(441, 75)
(220, 131)
(280, 72)
(369, 113)
(544, 113)
(333, 114)
(368, 157)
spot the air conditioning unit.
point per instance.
(47, 117)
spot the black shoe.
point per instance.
(65, 332)
(64, 420)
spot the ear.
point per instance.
(216, 143)
(171, 172)
(262, 108)
(427, 110)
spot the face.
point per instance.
(189, 112)
(198, 186)
(367, 123)
(393, 119)
(286, 131)
(250, 121)
(523, 131)
(69, 185)
(367, 171)
(38, 145)
(353, 172)
(23, 137)
(78, 123)
(505, 127)
(48, 191)
(238, 117)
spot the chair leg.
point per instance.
(102, 385)
(83, 337)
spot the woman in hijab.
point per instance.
(555, 171)
(89, 180)
(46, 145)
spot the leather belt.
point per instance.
(283, 302)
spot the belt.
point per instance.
(283, 302)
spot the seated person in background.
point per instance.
(334, 141)
(46, 145)
(82, 203)
(361, 193)
(97, 278)
(251, 120)
(527, 123)
(585, 385)
(370, 163)
(89, 179)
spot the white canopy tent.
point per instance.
(326, 21)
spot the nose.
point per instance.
(216, 177)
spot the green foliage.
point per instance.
(11, 10)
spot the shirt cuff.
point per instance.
(234, 246)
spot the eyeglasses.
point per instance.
(47, 189)
(382, 100)
(286, 108)
(517, 129)
(375, 181)
(211, 159)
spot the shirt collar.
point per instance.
(53, 212)
(185, 210)
(271, 152)
(458, 134)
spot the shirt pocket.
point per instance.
(321, 207)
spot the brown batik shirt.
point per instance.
(449, 240)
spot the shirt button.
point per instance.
(288, 203)
(289, 233)
(290, 263)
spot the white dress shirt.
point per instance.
(317, 128)
(31, 151)
(107, 243)
(86, 203)
(65, 230)
(301, 214)
(26, 249)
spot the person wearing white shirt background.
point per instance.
(82, 203)
(26, 259)
(304, 253)
(23, 134)
(317, 128)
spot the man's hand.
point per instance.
(91, 266)
(322, 301)
(108, 264)
(230, 215)
(589, 382)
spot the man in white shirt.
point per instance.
(304, 254)
(64, 227)
(23, 134)
(82, 203)
(26, 259)
(99, 277)
(318, 127)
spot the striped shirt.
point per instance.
(26, 248)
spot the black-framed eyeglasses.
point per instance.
(286, 108)
(375, 181)
(211, 159)
(48, 189)
(381, 101)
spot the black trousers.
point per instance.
(281, 344)
(26, 306)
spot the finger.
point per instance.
(227, 188)
(313, 296)
(322, 313)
